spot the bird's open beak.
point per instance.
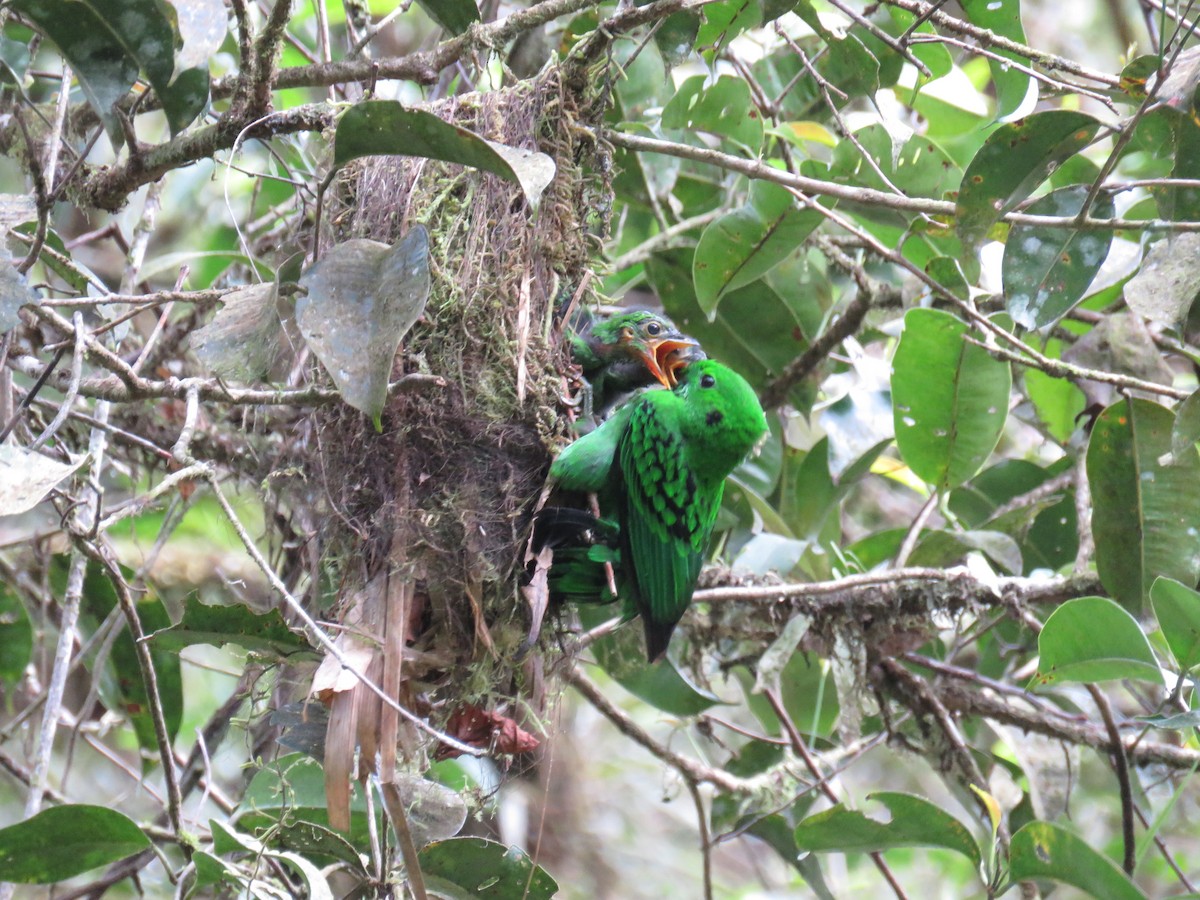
(672, 356)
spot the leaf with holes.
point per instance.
(1041, 850)
(743, 245)
(915, 823)
(1013, 161)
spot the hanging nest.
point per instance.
(429, 519)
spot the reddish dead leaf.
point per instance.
(485, 728)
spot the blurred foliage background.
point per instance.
(253, 555)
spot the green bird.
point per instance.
(659, 466)
(627, 351)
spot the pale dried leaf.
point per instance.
(362, 298)
(26, 478)
(1169, 280)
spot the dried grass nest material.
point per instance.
(443, 497)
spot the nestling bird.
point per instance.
(627, 351)
(659, 466)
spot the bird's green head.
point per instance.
(649, 337)
(723, 415)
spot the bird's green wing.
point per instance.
(585, 464)
(665, 520)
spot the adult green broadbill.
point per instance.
(628, 351)
(659, 466)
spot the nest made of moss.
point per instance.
(440, 501)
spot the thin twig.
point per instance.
(1120, 763)
(690, 769)
(412, 863)
(801, 750)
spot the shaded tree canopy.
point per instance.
(286, 312)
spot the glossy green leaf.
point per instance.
(235, 624)
(63, 841)
(1047, 271)
(919, 168)
(477, 867)
(1146, 515)
(915, 822)
(1177, 608)
(724, 109)
(1003, 17)
(743, 245)
(950, 398)
(808, 694)
(1093, 639)
(386, 127)
(1042, 850)
(1013, 161)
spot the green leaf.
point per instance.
(915, 823)
(1146, 515)
(1013, 161)
(250, 335)
(1177, 608)
(234, 624)
(1186, 432)
(945, 548)
(476, 867)
(755, 330)
(385, 127)
(808, 693)
(622, 655)
(122, 686)
(743, 245)
(63, 841)
(1093, 639)
(1003, 17)
(108, 41)
(724, 109)
(16, 637)
(1042, 850)
(918, 167)
(933, 53)
(362, 298)
(1046, 271)
(1057, 400)
(456, 16)
(292, 789)
(950, 399)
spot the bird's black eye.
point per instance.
(653, 328)
(707, 381)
